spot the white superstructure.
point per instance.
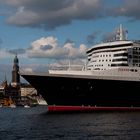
(112, 54)
(117, 58)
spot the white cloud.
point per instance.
(4, 53)
(49, 48)
(30, 70)
(74, 52)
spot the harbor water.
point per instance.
(35, 123)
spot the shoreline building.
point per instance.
(16, 91)
(10, 92)
(13, 89)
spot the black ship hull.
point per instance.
(76, 91)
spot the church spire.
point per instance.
(15, 72)
(4, 83)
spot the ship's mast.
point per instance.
(121, 33)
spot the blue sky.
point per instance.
(53, 31)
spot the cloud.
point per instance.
(4, 53)
(91, 38)
(45, 48)
(128, 8)
(27, 69)
(17, 51)
(69, 41)
(74, 52)
(110, 36)
(49, 48)
(49, 14)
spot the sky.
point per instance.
(51, 32)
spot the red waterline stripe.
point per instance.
(89, 108)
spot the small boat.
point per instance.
(26, 106)
(13, 106)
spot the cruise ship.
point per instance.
(109, 81)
